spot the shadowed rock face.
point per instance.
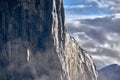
(35, 46)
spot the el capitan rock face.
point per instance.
(35, 46)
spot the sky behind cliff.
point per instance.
(96, 26)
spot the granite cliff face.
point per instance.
(34, 44)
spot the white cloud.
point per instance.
(112, 5)
(74, 16)
(115, 0)
(113, 41)
(76, 6)
(115, 8)
(116, 16)
(106, 60)
(102, 3)
(92, 49)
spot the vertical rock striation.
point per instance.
(35, 46)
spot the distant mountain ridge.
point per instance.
(113, 67)
(111, 72)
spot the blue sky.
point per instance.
(95, 24)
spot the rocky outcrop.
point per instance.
(76, 64)
(34, 44)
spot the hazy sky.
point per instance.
(96, 26)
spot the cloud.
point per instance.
(110, 24)
(115, 0)
(112, 5)
(99, 37)
(107, 60)
(74, 6)
(102, 3)
(115, 9)
(74, 16)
